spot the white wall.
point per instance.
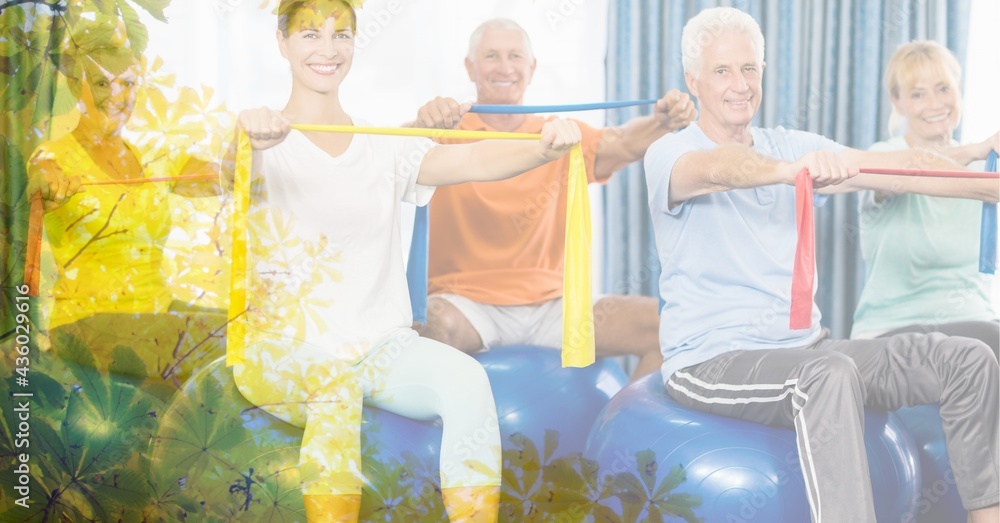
(982, 82)
(982, 72)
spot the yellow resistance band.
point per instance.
(578, 313)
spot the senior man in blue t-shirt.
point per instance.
(723, 207)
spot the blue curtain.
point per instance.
(824, 74)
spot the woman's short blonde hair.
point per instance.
(288, 9)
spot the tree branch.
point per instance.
(56, 5)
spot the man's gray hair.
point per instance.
(497, 23)
(708, 25)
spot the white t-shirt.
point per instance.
(325, 265)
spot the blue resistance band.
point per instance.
(531, 109)
(988, 228)
(416, 267)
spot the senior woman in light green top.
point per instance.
(921, 252)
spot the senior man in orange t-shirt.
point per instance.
(496, 249)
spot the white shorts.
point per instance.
(500, 325)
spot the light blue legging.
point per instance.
(411, 376)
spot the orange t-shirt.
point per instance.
(502, 243)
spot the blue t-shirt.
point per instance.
(726, 257)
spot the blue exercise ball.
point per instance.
(535, 394)
(939, 500)
(655, 456)
(545, 413)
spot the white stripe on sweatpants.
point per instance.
(805, 451)
(793, 383)
(726, 386)
(808, 468)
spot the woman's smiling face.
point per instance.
(320, 50)
(931, 105)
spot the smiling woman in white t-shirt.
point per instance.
(329, 315)
(922, 252)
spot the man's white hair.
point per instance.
(497, 23)
(707, 25)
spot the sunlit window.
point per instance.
(982, 81)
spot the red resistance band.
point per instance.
(804, 271)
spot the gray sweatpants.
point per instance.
(822, 390)
(986, 331)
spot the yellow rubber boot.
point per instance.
(472, 504)
(332, 509)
